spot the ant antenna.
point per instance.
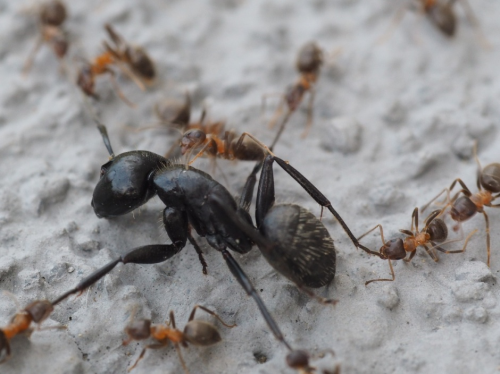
(105, 138)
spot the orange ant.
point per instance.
(176, 114)
(38, 311)
(466, 206)
(229, 148)
(196, 332)
(435, 231)
(133, 61)
(441, 14)
(51, 17)
(308, 64)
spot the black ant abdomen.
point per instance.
(53, 13)
(303, 249)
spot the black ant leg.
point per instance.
(313, 192)
(200, 253)
(243, 280)
(149, 254)
(247, 193)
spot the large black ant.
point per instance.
(51, 17)
(133, 61)
(435, 233)
(195, 332)
(293, 240)
(464, 204)
(37, 312)
(309, 61)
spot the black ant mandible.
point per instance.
(293, 240)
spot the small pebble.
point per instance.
(343, 135)
(389, 297)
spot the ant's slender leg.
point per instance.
(282, 127)
(465, 190)
(4, 346)
(212, 313)
(447, 190)
(398, 17)
(200, 253)
(313, 192)
(475, 23)
(31, 57)
(431, 253)
(414, 219)
(384, 279)
(149, 254)
(438, 247)
(411, 256)
(243, 280)
(181, 359)
(309, 113)
(117, 89)
(247, 193)
(151, 346)
(487, 221)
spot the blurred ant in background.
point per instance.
(195, 332)
(441, 14)
(51, 17)
(309, 62)
(133, 61)
(435, 231)
(37, 312)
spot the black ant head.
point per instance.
(125, 183)
(490, 178)
(39, 310)
(444, 18)
(201, 333)
(53, 13)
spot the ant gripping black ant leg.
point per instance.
(465, 204)
(435, 233)
(293, 240)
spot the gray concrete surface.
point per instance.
(394, 124)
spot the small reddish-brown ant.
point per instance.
(434, 232)
(441, 14)
(466, 206)
(51, 17)
(195, 332)
(133, 61)
(309, 62)
(37, 312)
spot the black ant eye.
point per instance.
(103, 171)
